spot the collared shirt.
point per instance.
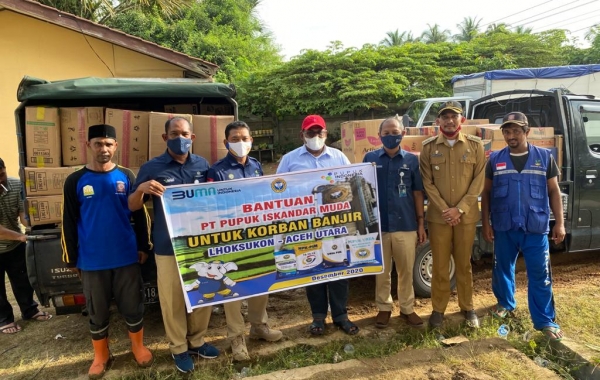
(11, 205)
(395, 174)
(301, 159)
(453, 176)
(168, 172)
(229, 168)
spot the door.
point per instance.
(586, 158)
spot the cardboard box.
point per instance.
(182, 108)
(413, 143)
(476, 121)
(537, 133)
(132, 136)
(210, 133)
(360, 137)
(470, 130)
(490, 132)
(542, 143)
(74, 124)
(422, 131)
(216, 109)
(42, 137)
(46, 181)
(45, 210)
(157, 120)
(558, 143)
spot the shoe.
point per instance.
(238, 349)
(262, 331)
(142, 355)
(499, 311)
(206, 351)
(412, 319)
(436, 319)
(471, 318)
(382, 319)
(102, 359)
(183, 362)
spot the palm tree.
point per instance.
(469, 28)
(434, 34)
(497, 28)
(102, 10)
(592, 33)
(520, 29)
(393, 38)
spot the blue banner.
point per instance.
(241, 238)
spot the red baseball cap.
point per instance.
(313, 120)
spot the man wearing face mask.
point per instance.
(452, 166)
(176, 166)
(400, 191)
(314, 154)
(237, 164)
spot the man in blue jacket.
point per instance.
(520, 188)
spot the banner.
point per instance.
(241, 238)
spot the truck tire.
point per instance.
(422, 271)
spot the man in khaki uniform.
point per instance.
(452, 167)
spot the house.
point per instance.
(44, 42)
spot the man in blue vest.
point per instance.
(520, 188)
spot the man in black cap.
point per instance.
(521, 188)
(452, 167)
(100, 244)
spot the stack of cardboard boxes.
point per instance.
(56, 145)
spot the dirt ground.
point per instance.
(61, 347)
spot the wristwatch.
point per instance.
(460, 210)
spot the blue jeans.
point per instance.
(337, 292)
(536, 253)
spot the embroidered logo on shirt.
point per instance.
(538, 163)
(169, 180)
(88, 190)
(231, 176)
(120, 187)
(501, 166)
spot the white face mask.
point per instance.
(240, 149)
(315, 143)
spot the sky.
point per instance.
(313, 24)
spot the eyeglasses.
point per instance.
(311, 134)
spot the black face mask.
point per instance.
(391, 141)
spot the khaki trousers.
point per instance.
(400, 247)
(457, 241)
(257, 314)
(183, 330)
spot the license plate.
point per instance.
(150, 294)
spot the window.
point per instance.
(591, 124)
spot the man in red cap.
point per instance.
(314, 154)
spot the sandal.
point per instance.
(11, 328)
(499, 311)
(554, 334)
(348, 327)
(42, 316)
(317, 327)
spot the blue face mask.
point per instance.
(179, 145)
(391, 141)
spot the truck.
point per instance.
(53, 283)
(577, 119)
(578, 79)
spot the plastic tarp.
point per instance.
(540, 72)
(96, 88)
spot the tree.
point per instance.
(396, 39)
(520, 29)
(468, 28)
(103, 10)
(434, 34)
(497, 28)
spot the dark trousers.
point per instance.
(125, 284)
(334, 294)
(13, 264)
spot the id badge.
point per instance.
(402, 191)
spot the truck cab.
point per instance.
(423, 112)
(52, 281)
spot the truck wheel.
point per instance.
(422, 271)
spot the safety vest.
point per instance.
(519, 201)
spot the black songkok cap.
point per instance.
(102, 130)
